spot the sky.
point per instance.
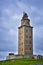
(11, 12)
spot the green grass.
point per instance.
(23, 61)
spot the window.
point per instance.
(30, 42)
(26, 35)
(26, 41)
(30, 48)
(26, 52)
(26, 30)
(30, 36)
(22, 49)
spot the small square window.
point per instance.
(30, 36)
(30, 48)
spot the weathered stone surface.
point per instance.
(25, 37)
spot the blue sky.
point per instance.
(11, 12)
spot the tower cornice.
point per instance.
(25, 26)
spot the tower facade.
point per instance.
(25, 36)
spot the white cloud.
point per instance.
(11, 14)
(37, 10)
(23, 7)
(39, 32)
(33, 8)
(7, 11)
(3, 55)
(12, 32)
(15, 17)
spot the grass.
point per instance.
(23, 61)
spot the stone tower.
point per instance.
(25, 37)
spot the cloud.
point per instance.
(10, 19)
(38, 43)
(36, 16)
(8, 40)
(8, 30)
(4, 54)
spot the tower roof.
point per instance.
(25, 16)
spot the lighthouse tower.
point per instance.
(25, 36)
